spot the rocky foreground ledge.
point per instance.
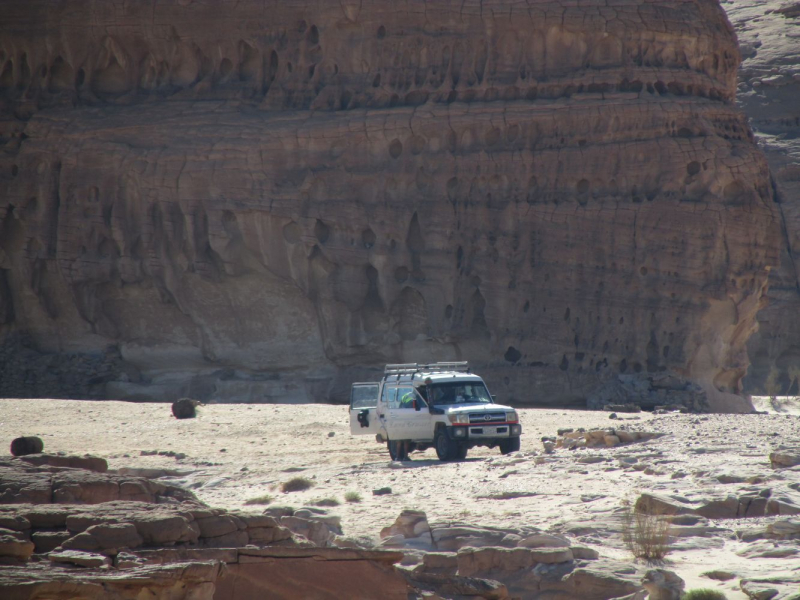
(70, 528)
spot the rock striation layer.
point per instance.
(265, 201)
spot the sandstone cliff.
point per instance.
(260, 200)
(769, 35)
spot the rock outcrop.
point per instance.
(461, 559)
(165, 544)
(264, 201)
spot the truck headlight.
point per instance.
(512, 417)
(462, 419)
(516, 429)
(459, 431)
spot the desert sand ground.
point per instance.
(233, 453)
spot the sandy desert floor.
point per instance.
(233, 453)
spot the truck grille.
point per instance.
(487, 417)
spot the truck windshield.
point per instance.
(459, 393)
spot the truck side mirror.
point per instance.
(494, 397)
(417, 406)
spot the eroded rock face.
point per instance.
(768, 88)
(200, 205)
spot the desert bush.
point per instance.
(325, 502)
(645, 536)
(265, 499)
(704, 594)
(352, 497)
(297, 484)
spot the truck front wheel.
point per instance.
(462, 451)
(509, 445)
(446, 449)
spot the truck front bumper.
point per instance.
(484, 432)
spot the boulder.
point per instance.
(783, 505)
(88, 463)
(733, 507)
(440, 562)
(784, 459)
(663, 585)
(410, 524)
(80, 559)
(106, 538)
(544, 540)
(46, 541)
(185, 408)
(14, 549)
(14, 522)
(180, 581)
(317, 532)
(22, 446)
(217, 526)
(651, 504)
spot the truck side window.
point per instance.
(388, 398)
(363, 396)
(405, 397)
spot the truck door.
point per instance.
(363, 404)
(404, 422)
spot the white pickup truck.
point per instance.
(441, 405)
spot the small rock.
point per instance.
(331, 433)
(719, 575)
(126, 560)
(583, 553)
(382, 491)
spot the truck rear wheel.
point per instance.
(394, 449)
(509, 445)
(446, 449)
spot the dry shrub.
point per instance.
(296, 484)
(265, 499)
(646, 536)
(325, 502)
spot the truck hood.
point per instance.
(473, 408)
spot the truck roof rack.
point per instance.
(440, 367)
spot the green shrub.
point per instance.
(297, 484)
(352, 497)
(704, 594)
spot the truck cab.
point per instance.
(442, 405)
